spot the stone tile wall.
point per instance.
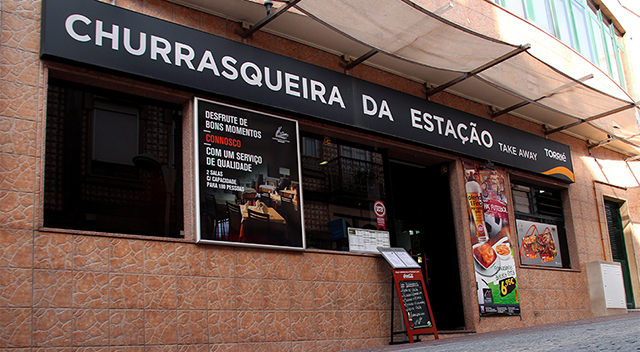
(109, 293)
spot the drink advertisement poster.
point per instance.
(247, 177)
(492, 252)
(537, 243)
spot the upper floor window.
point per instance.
(579, 24)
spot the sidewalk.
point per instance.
(611, 333)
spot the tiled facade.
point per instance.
(111, 292)
(66, 290)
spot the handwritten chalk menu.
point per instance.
(415, 304)
(246, 160)
(367, 241)
(416, 309)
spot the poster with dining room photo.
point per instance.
(247, 177)
(493, 259)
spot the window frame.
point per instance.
(560, 222)
(87, 95)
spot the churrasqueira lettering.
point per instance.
(77, 27)
(428, 122)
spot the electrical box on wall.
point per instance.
(613, 286)
(606, 288)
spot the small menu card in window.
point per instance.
(398, 258)
(367, 241)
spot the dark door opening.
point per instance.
(424, 227)
(618, 247)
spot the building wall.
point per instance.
(84, 290)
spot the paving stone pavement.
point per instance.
(613, 333)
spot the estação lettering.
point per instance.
(179, 54)
(466, 134)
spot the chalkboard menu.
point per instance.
(416, 309)
(415, 304)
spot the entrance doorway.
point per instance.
(424, 227)
(618, 247)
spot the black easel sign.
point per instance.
(416, 309)
(412, 293)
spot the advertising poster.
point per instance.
(538, 244)
(492, 252)
(247, 176)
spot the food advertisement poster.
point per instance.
(492, 252)
(247, 176)
(537, 243)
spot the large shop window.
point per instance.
(542, 239)
(342, 181)
(113, 162)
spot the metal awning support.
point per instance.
(358, 61)
(486, 66)
(547, 95)
(446, 7)
(601, 143)
(263, 22)
(594, 117)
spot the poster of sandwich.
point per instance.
(538, 244)
(492, 251)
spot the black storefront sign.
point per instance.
(103, 35)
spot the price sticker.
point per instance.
(507, 286)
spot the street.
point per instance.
(612, 333)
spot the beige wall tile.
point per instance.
(91, 253)
(15, 327)
(126, 327)
(223, 326)
(52, 288)
(126, 291)
(127, 255)
(192, 292)
(16, 248)
(159, 257)
(90, 289)
(90, 327)
(192, 327)
(221, 293)
(16, 209)
(159, 291)
(160, 327)
(52, 327)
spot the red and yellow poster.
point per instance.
(492, 251)
(538, 244)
